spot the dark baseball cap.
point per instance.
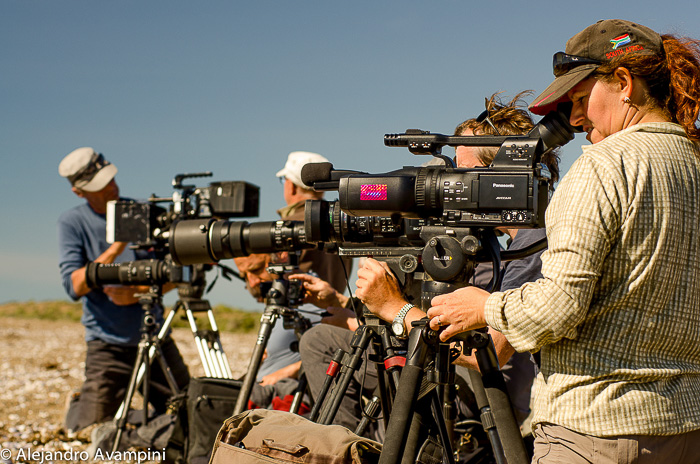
(586, 51)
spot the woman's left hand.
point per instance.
(459, 311)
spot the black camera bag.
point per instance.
(208, 403)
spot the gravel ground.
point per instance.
(42, 362)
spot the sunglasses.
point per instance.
(97, 162)
(563, 63)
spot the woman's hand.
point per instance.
(459, 311)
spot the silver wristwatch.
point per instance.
(397, 325)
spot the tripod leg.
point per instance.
(495, 389)
(121, 416)
(487, 420)
(146, 384)
(267, 322)
(169, 377)
(440, 422)
(401, 413)
(167, 323)
(218, 349)
(331, 374)
(346, 374)
(162, 333)
(299, 394)
(202, 348)
(405, 400)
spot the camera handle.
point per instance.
(148, 349)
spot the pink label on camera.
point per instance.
(373, 192)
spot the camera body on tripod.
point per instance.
(512, 192)
(146, 224)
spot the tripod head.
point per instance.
(194, 286)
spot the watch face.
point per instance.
(397, 327)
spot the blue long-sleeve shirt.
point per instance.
(82, 238)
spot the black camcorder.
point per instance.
(513, 191)
(146, 224)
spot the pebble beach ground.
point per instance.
(42, 362)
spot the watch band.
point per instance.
(402, 315)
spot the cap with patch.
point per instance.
(295, 162)
(586, 51)
(87, 170)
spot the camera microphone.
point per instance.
(316, 172)
(322, 176)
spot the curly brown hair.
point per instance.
(511, 118)
(672, 79)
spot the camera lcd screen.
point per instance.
(503, 191)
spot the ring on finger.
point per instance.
(438, 320)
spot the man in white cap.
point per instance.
(329, 267)
(281, 362)
(295, 191)
(111, 315)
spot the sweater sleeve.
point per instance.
(72, 254)
(583, 221)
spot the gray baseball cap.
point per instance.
(87, 170)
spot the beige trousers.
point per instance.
(556, 444)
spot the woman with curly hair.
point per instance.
(616, 316)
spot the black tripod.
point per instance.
(190, 284)
(149, 348)
(423, 405)
(280, 300)
(410, 422)
(387, 355)
(407, 424)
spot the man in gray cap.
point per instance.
(111, 315)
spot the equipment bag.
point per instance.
(265, 436)
(207, 404)
(210, 402)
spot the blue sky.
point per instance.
(232, 87)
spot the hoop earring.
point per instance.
(627, 100)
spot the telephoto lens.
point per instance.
(141, 272)
(209, 240)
